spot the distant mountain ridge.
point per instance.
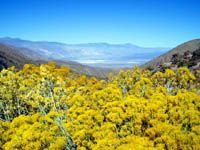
(93, 54)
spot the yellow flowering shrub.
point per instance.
(36, 132)
(52, 108)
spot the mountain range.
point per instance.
(102, 55)
(17, 52)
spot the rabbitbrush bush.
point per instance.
(51, 108)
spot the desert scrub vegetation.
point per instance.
(51, 108)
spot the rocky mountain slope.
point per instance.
(182, 53)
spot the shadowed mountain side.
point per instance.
(166, 58)
(83, 69)
(9, 56)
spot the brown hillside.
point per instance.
(9, 57)
(166, 58)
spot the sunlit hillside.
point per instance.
(51, 108)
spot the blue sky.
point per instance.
(148, 23)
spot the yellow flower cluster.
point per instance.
(34, 132)
(52, 108)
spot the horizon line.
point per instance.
(108, 43)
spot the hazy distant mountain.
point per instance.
(182, 50)
(30, 53)
(93, 54)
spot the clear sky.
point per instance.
(149, 23)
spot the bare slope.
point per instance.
(9, 57)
